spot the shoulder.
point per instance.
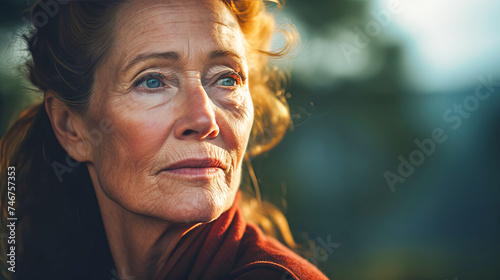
(263, 257)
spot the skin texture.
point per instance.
(194, 50)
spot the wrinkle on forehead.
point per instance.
(213, 10)
(142, 25)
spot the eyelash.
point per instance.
(238, 76)
(144, 78)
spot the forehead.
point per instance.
(184, 26)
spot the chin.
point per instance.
(199, 206)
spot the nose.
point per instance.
(198, 115)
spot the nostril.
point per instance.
(188, 132)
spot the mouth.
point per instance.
(195, 168)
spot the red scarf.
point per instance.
(229, 248)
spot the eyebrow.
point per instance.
(142, 57)
(225, 53)
(174, 56)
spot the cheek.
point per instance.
(144, 137)
(136, 139)
(237, 125)
(248, 116)
(127, 157)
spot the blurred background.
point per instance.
(392, 167)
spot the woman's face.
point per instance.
(175, 90)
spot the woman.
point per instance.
(162, 101)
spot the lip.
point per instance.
(195, 168)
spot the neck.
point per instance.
(140, 245)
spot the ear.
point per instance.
(69, 128)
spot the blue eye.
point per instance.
(151, 83)
(227, 81)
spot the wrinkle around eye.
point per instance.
(231, 99)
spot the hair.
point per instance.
(60, 231)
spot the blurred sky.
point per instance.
(446, 44)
